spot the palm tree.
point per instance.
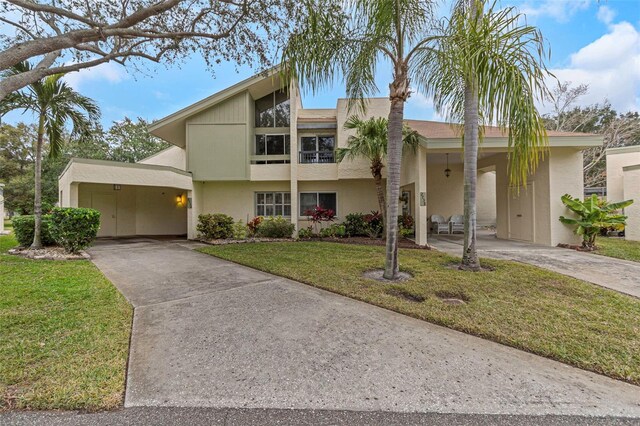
(347, 39)
(370, 142)
(54, 103)
(490, 69)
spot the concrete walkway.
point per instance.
(210, 333)
(616, 274)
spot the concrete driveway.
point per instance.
(616, 274)
(210, 333)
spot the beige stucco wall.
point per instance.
(236, 199)
(445, 194)
(559, 173)
(376, 107)
(617, 158)
(631, 191)
(486, 198)
(173, 156)
(141, 210)
(112, 172)
(566, 177)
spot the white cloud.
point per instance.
(560, 10)
(610, 66)
(606, 14)
(109, 72)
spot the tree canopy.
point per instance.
(127, 140)
(68, 35)
(617, 128)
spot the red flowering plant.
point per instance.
(253, 225)
(318, 214)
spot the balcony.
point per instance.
(317, 157)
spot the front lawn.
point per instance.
(515, 304)
(618, 248)
(64, 330)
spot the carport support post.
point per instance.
(420, 197)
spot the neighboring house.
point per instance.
(623, 183)
(252, 149)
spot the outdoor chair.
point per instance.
(439, 224)
(456, 223)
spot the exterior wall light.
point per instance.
(447, 171)
(181, 200)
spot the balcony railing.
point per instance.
(317, 157)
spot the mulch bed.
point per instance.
(48, 253)
(248, 240)
(363, 241)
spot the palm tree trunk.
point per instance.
(398, 93)
(37, 199)
(376, 171)
(470, 259)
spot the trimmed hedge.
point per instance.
(74, 228)
(215, 226)
(276, 227)
(24, 227)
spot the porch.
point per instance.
(434, 185)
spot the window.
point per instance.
(309, 200)
(273, 204)
(273, 110)
(317, 149)
(272, 145)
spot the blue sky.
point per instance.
(592, 42)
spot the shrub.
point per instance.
(215, 226)
(405, 225)
(374, 224)
(318, 214)
(24, 226)
(253, 225)
(593, 215)
(405, 221)
(355, 225)
(276, 227)
(240, 230)
(334, 231)
(74, 228)
(305, 233)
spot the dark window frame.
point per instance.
(317, 194)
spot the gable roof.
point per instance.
(172, 127)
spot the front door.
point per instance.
(106, 205)
(521, 213)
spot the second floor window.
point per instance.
(273, 110)
(272, 145)
(317, 149)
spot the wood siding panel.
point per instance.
(232, 110)
(218, 151)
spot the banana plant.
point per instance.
(593, 215)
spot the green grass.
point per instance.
(515, 304)
(64, 333)
(618, 248)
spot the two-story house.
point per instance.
(254, 150)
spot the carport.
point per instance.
(133, 198)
